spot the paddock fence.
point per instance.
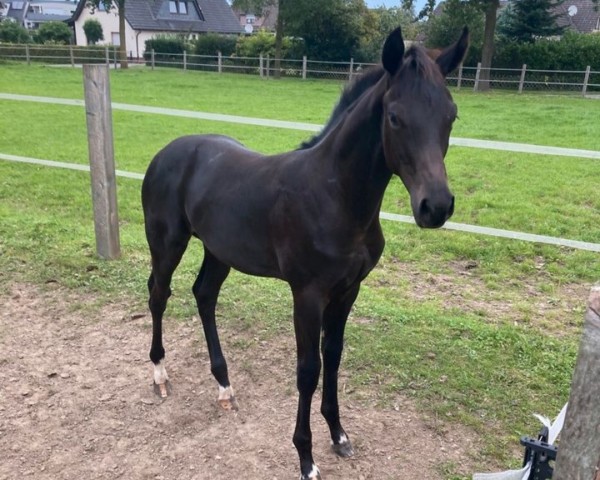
(584, 82)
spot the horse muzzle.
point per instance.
(433, 211)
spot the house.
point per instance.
(578, 15)
(31, 14)
(3, 9)
(145, 19)
(251, 22)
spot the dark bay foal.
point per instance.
(309, 217)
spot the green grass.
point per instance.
(446, 345)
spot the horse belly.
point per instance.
(238, 240)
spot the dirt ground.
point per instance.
(76, 402)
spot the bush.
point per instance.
(54, 32)
(93, 31)
(166, 44)
(264, 43)
(12, 32)
(168, 50)
(574, 51)
(211, 44)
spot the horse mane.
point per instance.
(416, 57)
(353, 90)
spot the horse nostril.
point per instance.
(451, 209)
(424, 208)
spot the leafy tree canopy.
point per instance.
(331, 29)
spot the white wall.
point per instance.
(110, 28)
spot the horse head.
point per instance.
(418, 113)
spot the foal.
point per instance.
(309, 217)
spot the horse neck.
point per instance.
(354, 155)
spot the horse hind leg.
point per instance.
(206, 291)
(166, 254)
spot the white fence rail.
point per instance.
(519, 80)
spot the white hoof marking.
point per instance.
(225, 393)
(313, 474)
(160, 373)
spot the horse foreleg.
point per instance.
(334, 322)
(308, 310)
(206, 290)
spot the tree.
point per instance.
(119, 6)
(12, 32)
(331, 29)
(54, 32)
(377, 24)
(490, 10)
(93, 31)
(443, 29)
(526, 20)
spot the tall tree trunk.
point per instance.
(278, 39)
(488, 44)
(122, 38)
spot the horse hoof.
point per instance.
(228, 404)
(343, 450)
(162, 389)
(314, 474)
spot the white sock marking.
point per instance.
(160, 373)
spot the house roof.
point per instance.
(46, 17)
(202, 16)
(578, 15)
(268, 20)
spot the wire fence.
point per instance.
(585, 82)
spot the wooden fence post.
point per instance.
(115, 57)
(152, 59)
(303, 67)
(184, 60)
(460, 74)
(351, 69)
(220, 62)
(476, 85)
(260, 65)
(27, 54)
(579, 451)
(102, 163)
(72, 56)
(106, 55)
(268, 65)
(586, 80)
(522, 79)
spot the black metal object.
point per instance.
(541, 454)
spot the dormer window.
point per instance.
(178, 7)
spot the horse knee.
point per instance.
(308, 375)
(302, 440)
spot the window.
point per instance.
(178, 6)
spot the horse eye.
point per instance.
(394, 119)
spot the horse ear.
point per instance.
(451, 57)
(393, 51)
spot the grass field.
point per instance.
(479, 330)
